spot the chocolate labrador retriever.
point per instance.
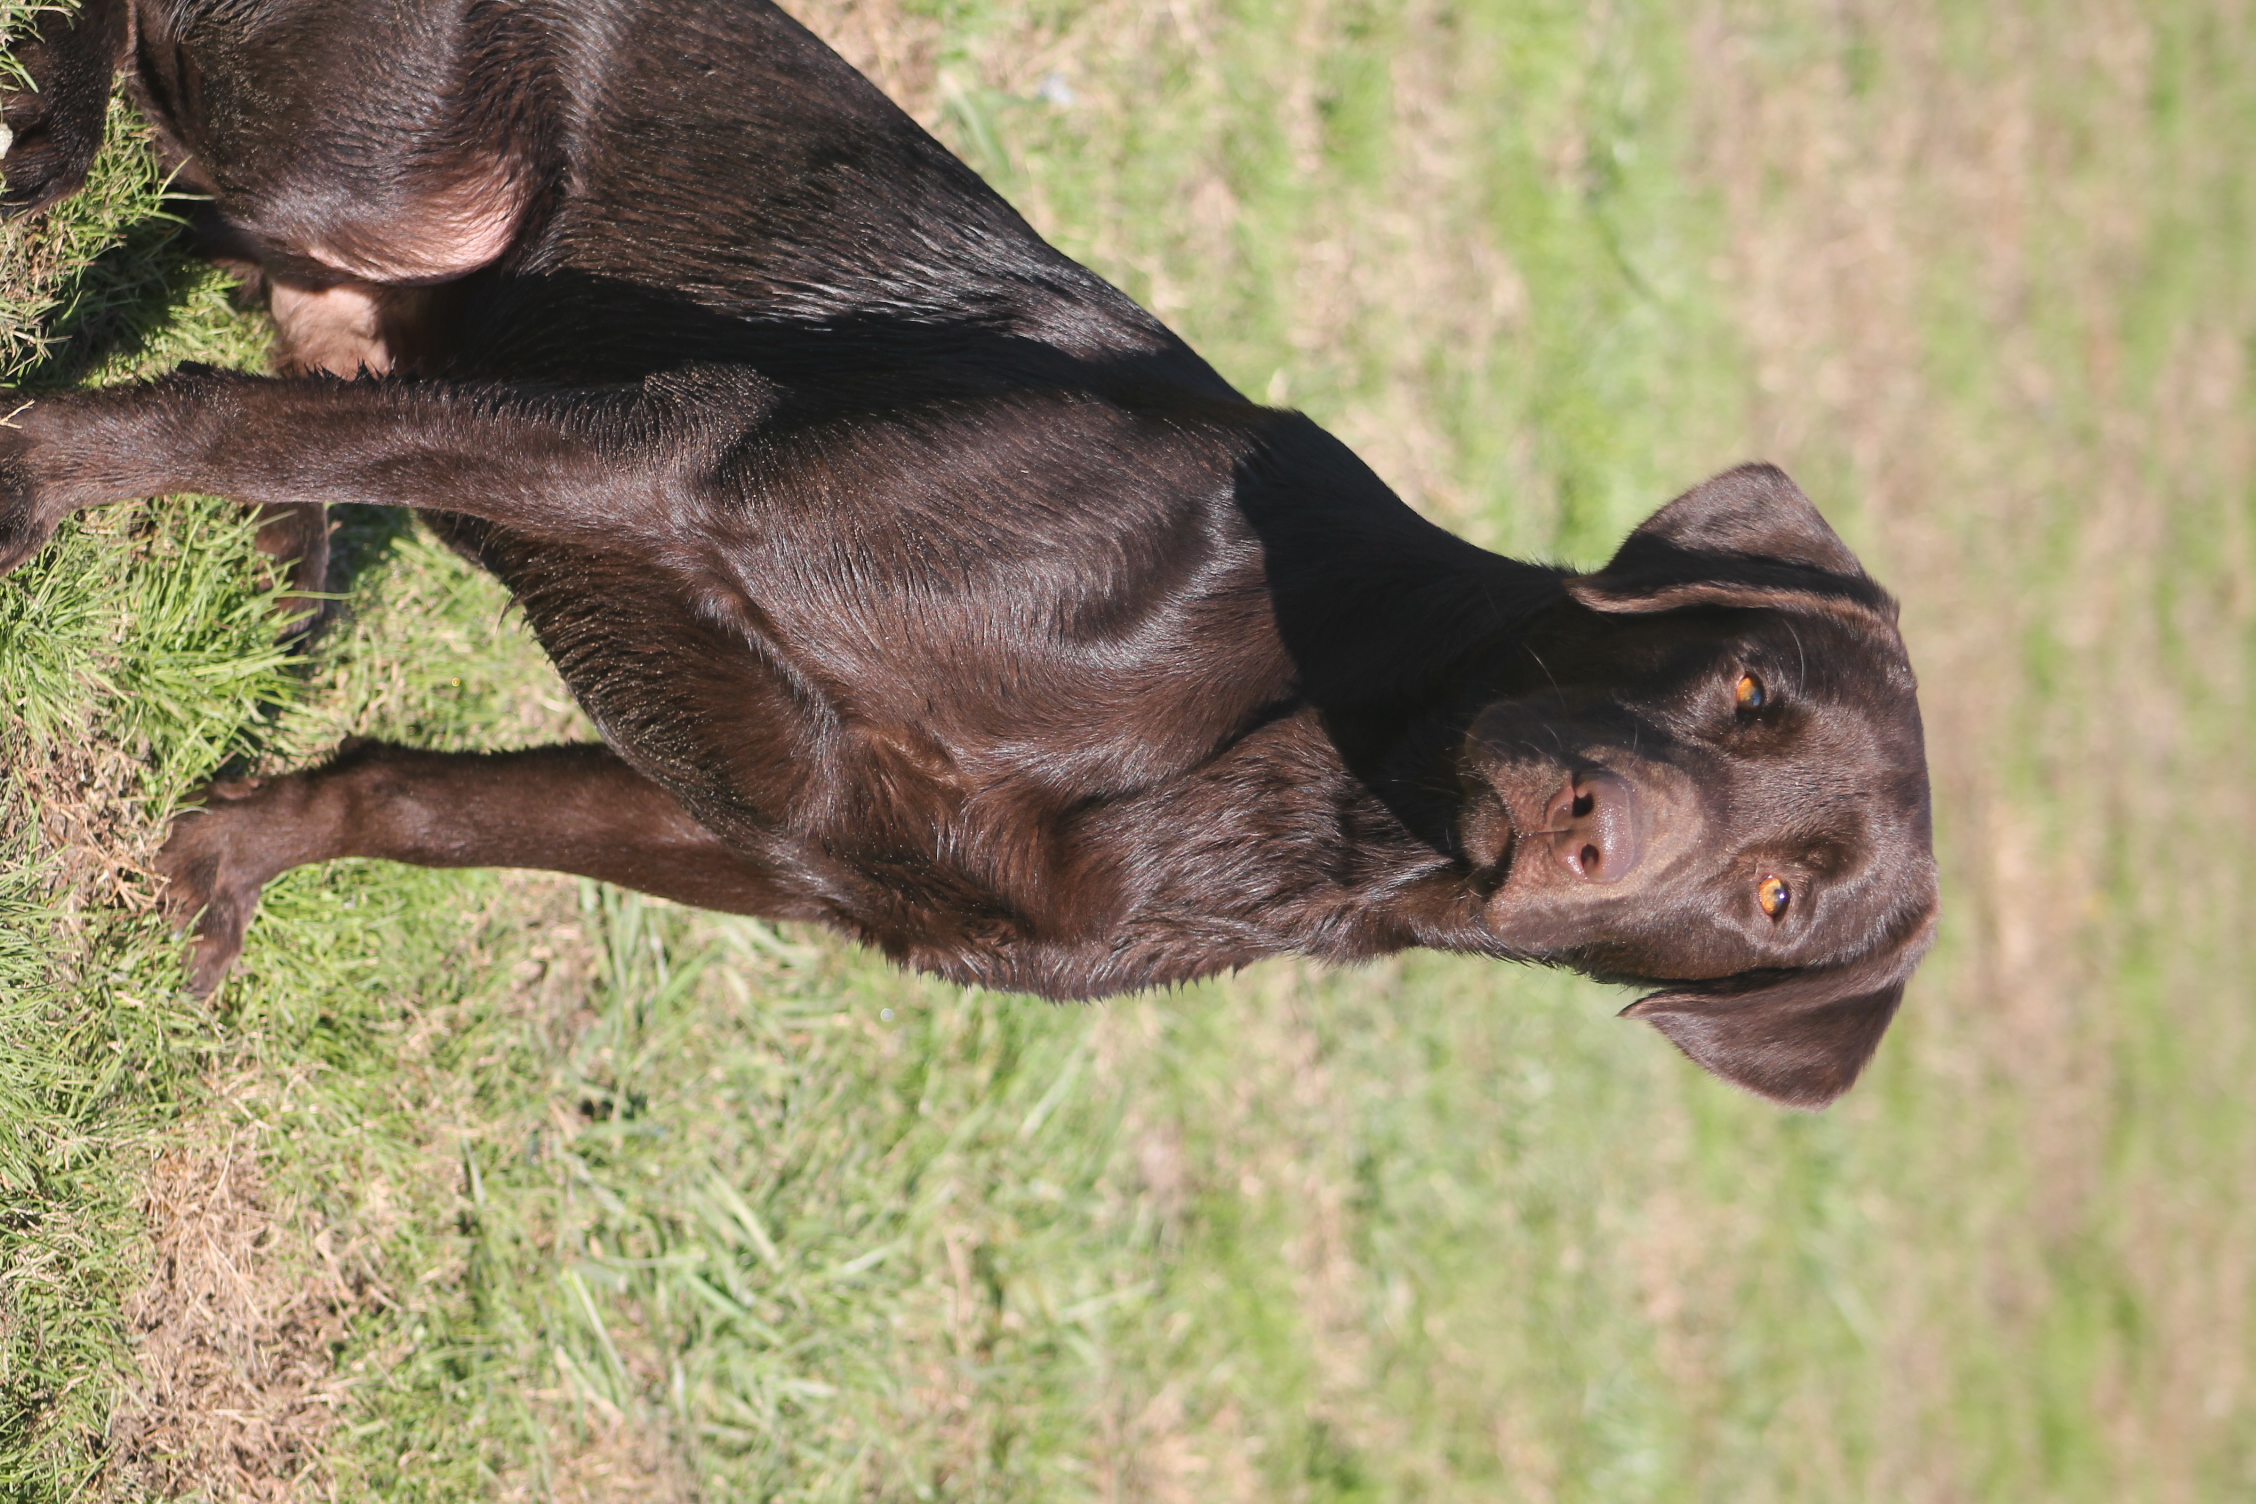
(924, 586)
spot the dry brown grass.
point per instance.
(236, 1388)
(894, 47)
(595, 1453)
(236, 1334)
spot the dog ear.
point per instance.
(1798, 1038)
(1749, 537)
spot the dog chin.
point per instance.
(1570, 935)
(1535, 922)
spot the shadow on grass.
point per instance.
(118, 303)
(362, 536)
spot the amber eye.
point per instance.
(1749, 692)
(1773, 894)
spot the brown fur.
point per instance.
(924, 586)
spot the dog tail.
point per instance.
(55, 127)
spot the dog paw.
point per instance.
(27, 515)
(28, 160)
(41, 160)
(213, 878)
(54, 128)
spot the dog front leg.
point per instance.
(609, 466)
(575, 809)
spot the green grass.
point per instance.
(600, 1198)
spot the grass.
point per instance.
(498, 1185)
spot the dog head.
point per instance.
(1709, 777)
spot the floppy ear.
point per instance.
(1749, 537)
(1799, 1038)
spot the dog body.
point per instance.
(922, 584)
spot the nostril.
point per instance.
(1593, 827)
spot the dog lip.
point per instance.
(1508, 852)
(1502, 833)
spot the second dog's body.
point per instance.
(923, 585)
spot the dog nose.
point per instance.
(1592, 827)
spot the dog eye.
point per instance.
(1773, 894)
(1749, 692)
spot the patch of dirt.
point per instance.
(237, 1333)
